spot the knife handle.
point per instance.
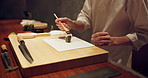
(4, 49)
(20, 39)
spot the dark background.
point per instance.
(41, 10)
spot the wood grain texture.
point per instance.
(46, 57)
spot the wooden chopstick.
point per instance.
(67, 30)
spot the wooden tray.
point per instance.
(47, 59)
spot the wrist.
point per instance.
(124, 40)
(78, 25)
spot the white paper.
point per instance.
(62, 45)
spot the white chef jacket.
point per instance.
(119, 18)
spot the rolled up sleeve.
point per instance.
(85, 15)
(139, 20)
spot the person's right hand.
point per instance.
(68, 23)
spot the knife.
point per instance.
(24, 49)
(5, 56)
(6, 59)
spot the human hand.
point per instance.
(102, 39)
(68, 23)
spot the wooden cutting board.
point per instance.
(47, 59)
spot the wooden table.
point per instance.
(8, 26)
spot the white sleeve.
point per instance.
(133, 37)
(138, 13)
(85, 15)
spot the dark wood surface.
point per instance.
(8, 26)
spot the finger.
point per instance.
(61, 28)
(100, 34)
(104, 38)
(95, 35)
(103, 44)
(57, 20)
(104, 41)
(67, 26)
(96, 39)
(61, 20)
(58, 24)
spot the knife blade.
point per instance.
(24, 49)
(25, 53)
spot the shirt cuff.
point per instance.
(135, 40)
(133, 37)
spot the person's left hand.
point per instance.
(102, 39)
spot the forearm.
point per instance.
(124, 40)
